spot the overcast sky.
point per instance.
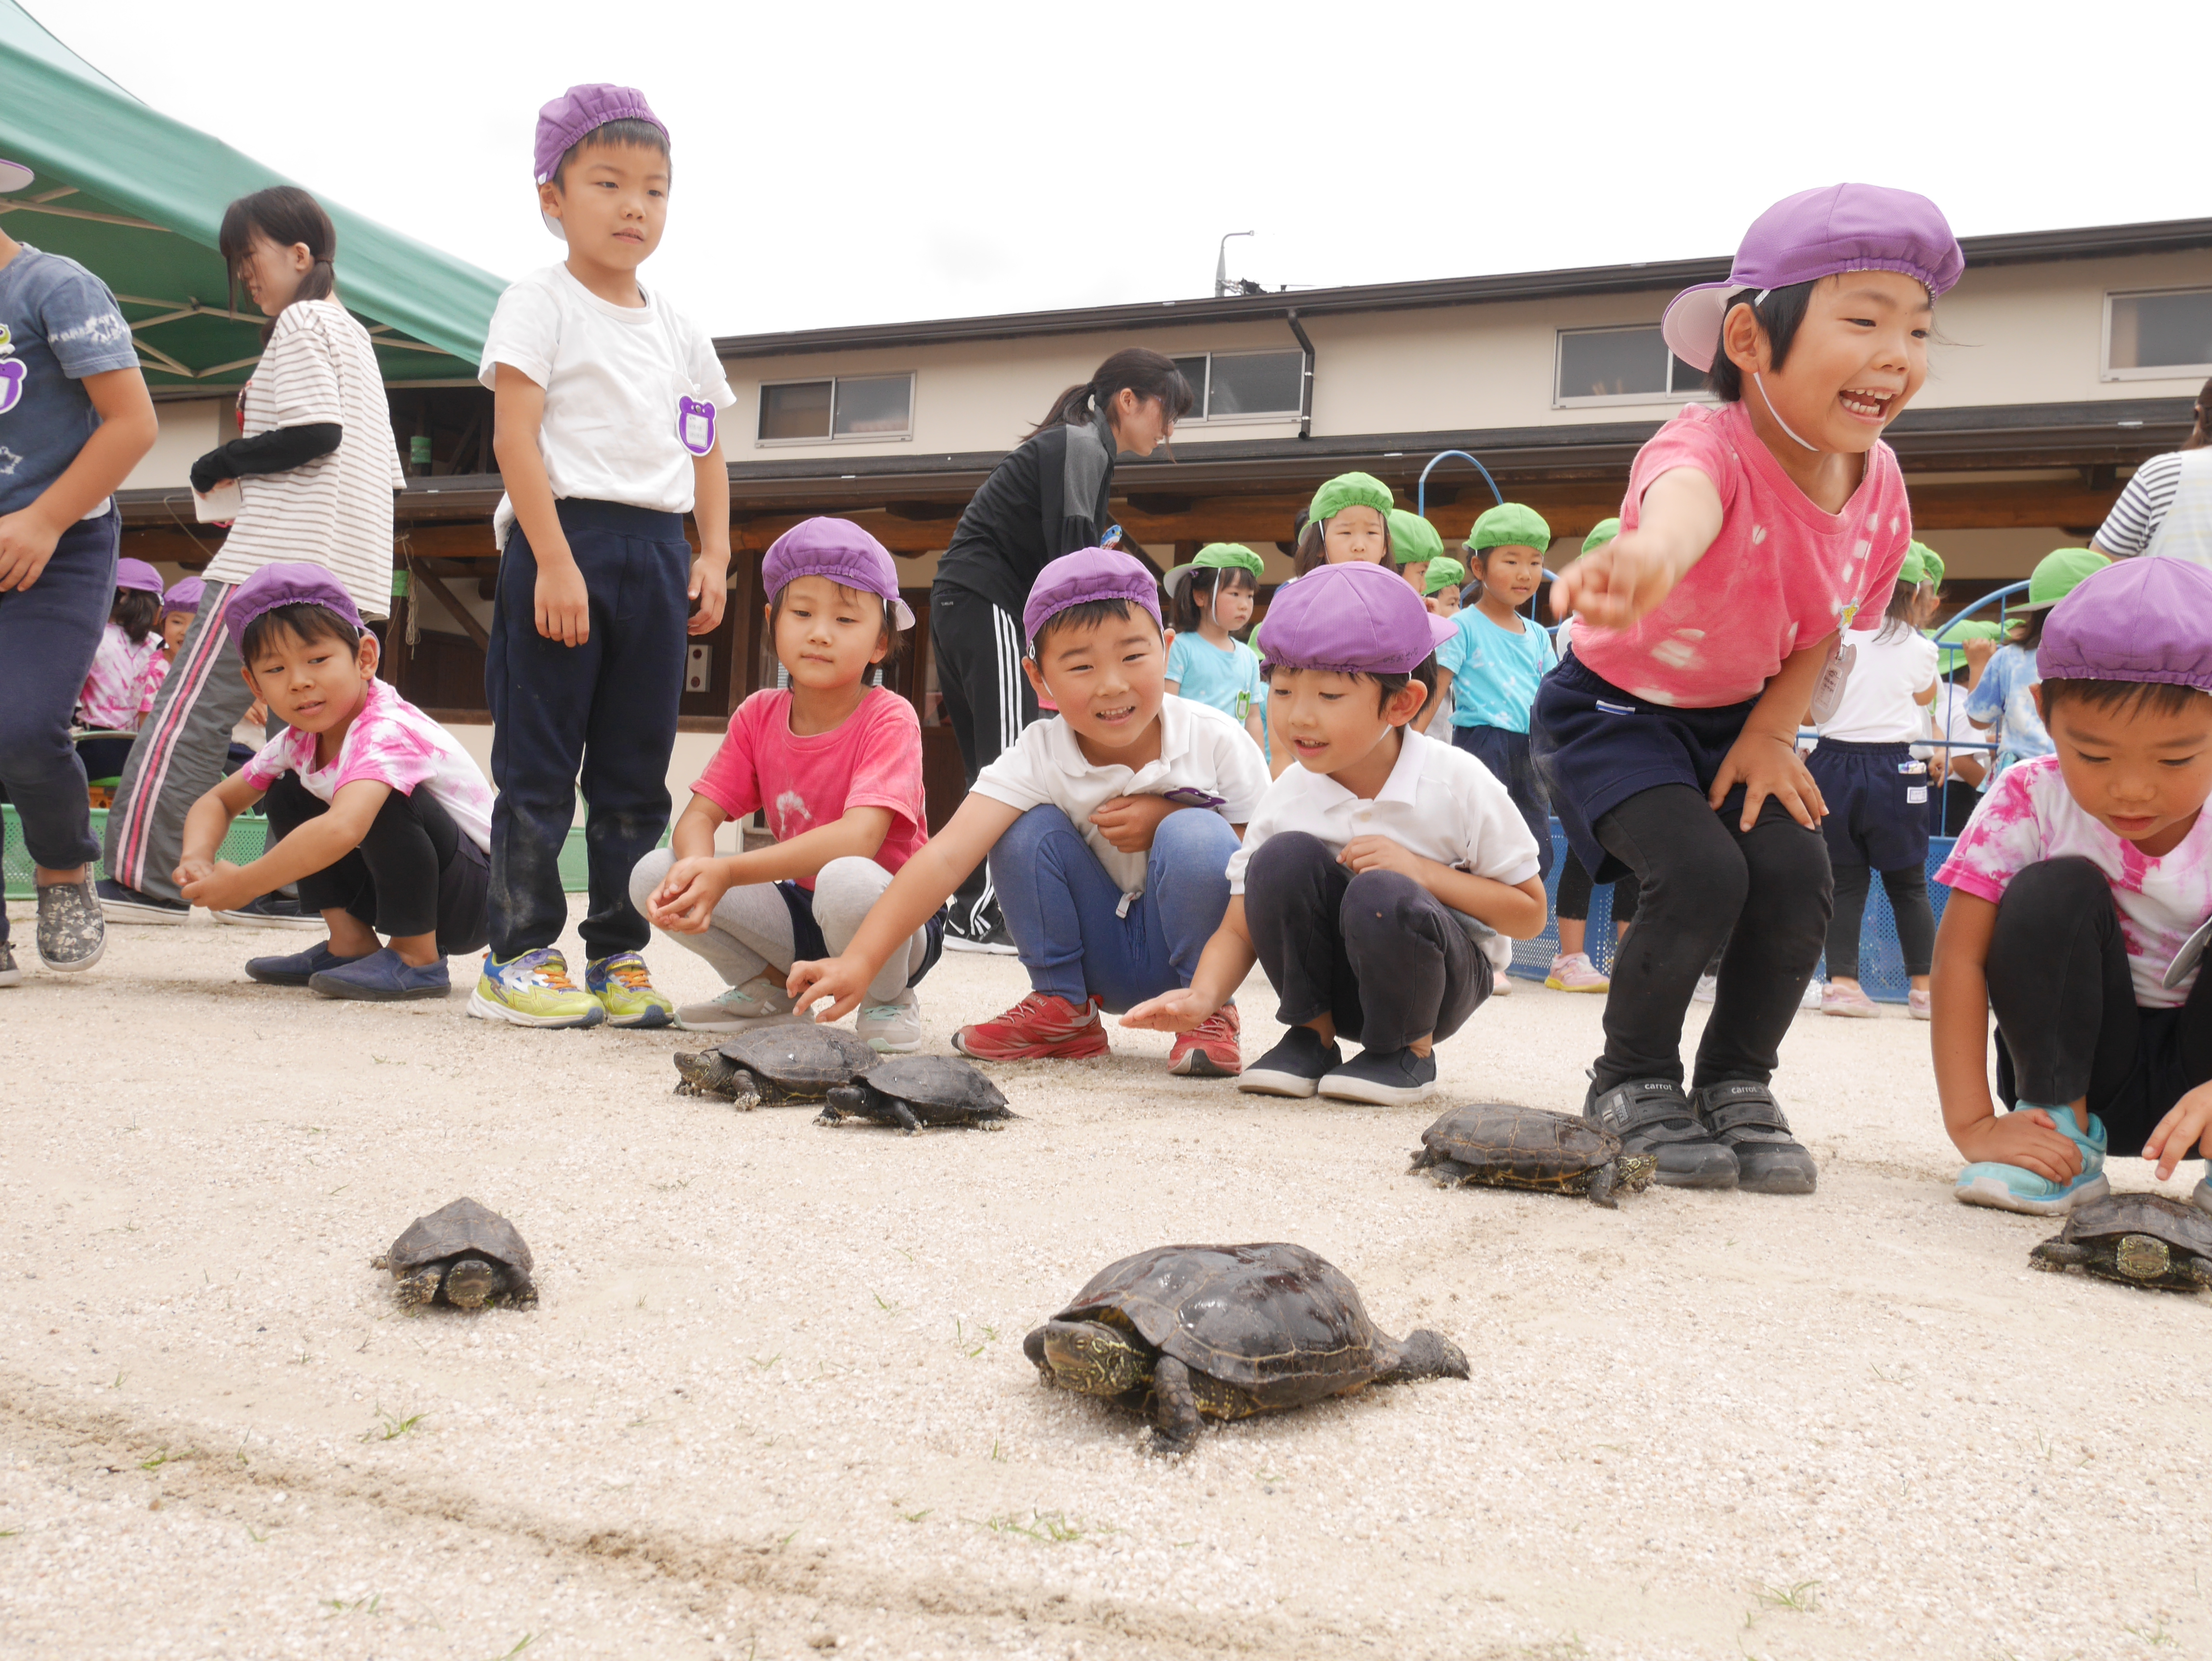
(853, 163)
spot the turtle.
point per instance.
(796, 1062)
(1500, 1146)
(463, 1253)
(2145, 1240)
(914, 1091)
(1225, 1331)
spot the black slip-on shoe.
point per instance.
(1655, 1117)
(1295, 1066)
(1745, 1117)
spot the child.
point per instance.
(1212, 597)
(1382, 873)
(129, 664)
(1960, 764)
(179, 607)
(2079, 892)
(75, 419)
(1413, 543)
(1440, 586)
(1573, 969)
(377, 814)
(1349, 519)
(836, 765)
(1107, 827)
(2003, 699)
(606, 400)
(1752, 531)
(1877, 791)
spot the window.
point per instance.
(2154, 337)
(1622, 365)
(850, 406)
(1242, 386)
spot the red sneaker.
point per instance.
(1042, 1026)
(1210, 1049)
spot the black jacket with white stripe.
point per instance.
(1047, 498)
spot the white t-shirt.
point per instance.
(1946, 719)
(1877, 706)
(1201, 748)
(335, 511)
(1439, 802)
(395, 744)
(618, 380)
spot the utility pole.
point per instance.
(1222, 286)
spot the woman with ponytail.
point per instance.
(1047, 498)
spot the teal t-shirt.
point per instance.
(1229, 680)
(1494, 674)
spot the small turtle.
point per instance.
(800, 1063)
(463, 1253)
(1225, 1331)
(2144, 1239)
(914, 1091)
(1500, 1145)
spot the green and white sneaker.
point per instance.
(893, 1028)
(533, 989)
(761, 1001)
(2015, 1188)
(625, 990)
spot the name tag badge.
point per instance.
(695, 426)
(1913, 767)
(1916, 794)
(12, 373)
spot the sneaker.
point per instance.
(1920, 1005)
(984, 931)
(893, 1028)
(1295, 1066)
(533, 989)
(382, 977)
(121, 904)
(1573, 972)
(1655, 1117)
(1836, 999)
(294, 967)
(1044, 1027)
(761, 1001)
(72, 933)
(1212, 1049)
(624, 988)
(1709, 987)
(2015, 1188)
(9, 975)
(1811, 998)
(1501, 985)
(1747, 1120)
(271, 911)
(1385, 1078)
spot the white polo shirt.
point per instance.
(1201, 748)
(1439, 802)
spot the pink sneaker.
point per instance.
(1836, 999)
(1920, 1006)
(1573, 972)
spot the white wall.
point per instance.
(189, 429)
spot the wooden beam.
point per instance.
(462, 614)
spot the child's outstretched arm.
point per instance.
(1676, 522)
(563, 604)
(1763, 758)
(319, 843)
(1958, 1030)
(1222, 967)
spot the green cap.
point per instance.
(1951, 649)
(1931, 562)
(1349, 490)
(1412, 538)
(1442, 574)
(2057, 574)
(1509, 525)
(1227, 556)
(1914, 570)
(1600, 533)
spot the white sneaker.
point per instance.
(1815, 991)
(893, 1028)
(1709, 986)
(761, 1001)
(1501, 985)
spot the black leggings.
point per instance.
(1702, 878)
(415, 872)
(1575, 886)
(1907, 889)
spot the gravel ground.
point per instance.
(774, 1401)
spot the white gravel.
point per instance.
(774, 1400)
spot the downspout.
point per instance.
(1305, 376)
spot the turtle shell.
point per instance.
(941, 1081)
(803, 1058)
(1533, 1143)
(463, 1228)
(1274, 1320)
(2182, 1227)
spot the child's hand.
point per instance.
(709, 591)
(224, 888)
(1128, 821)
(1381, 854)
(1615, 585)
(1768, 766)
(1172, 1012)
(27, 543)
(192, 869)
(1978, 653)
(2181, 1132)
(840, 979)
(688, 895)
(564, 605)
(257, 714)
(2026, 1139)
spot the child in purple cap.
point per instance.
(179, 606)
(1380, 877)
(2080, 896)
(1107, 828)
(1753, 532)
(834, 765)
(129, 664)
(606, 399)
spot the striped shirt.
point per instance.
(2142, 507)
(335, 511)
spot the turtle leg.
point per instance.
(746, 1091)
(470, 1282)
(421, 1286)
(844, 1102)
(2198, 1269)
(1601, 1184)
(1175, 1407)
(521, 1292)
(2055, 1257)
(904, 1114)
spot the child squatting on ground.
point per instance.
(1108, 827)
(1752, 534)
(605, 401)
(1382, 874)
(2080, 891)
(835, 766)
(380, 816)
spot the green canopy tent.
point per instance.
(137, 199)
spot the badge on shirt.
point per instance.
(695, 426)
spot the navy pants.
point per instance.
(600, 717)
(1505, 754)
(415, 872)
(1878, 820)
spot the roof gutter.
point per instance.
(1305, 374)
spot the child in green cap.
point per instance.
(1349, 520)
(1440, 586)
(2003, 700)
(1413, 543)
(1212, 597)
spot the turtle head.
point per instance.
(2143, 1258)
(1426, 1354)
(1633, 1172)
(471, 1282)
(1090, 1358)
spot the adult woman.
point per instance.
(1048, 497)
(2167, 507)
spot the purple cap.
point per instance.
(1352, 619)
(1086, 574)
(1816, 234)
(576, 112)
(184, 596)
(297, 584)
(138, 574)
(843, 552)
(2135, 619)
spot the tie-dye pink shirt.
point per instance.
(120, 687)
(1783, 573)
(394, 743)
(2030, 816)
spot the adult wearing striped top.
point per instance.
(2167, 508)
(316, 467)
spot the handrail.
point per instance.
(1421, 490)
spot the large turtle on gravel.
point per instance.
(914, 1091)
(2144, 1239)
(798, 1062)
(1225, 1331)
(463, 1254)
(1528, 1147)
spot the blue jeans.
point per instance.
(1059, 906)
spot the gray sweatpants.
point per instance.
(750, 932)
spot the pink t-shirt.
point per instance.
(1782, 575)
(120, 687)
(872, 759)
(394, 743)
(2030, 816)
